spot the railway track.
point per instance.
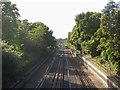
(54, 75)
(43, 79)
(65, 73)
(62, 72)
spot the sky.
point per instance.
(58, 15)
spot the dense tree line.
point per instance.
(23, 43)
(98, 34)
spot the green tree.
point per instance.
(9, 21)
(86, 25)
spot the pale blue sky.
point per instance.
(58, 15)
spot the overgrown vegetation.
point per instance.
(23, 43)
(98, 34)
